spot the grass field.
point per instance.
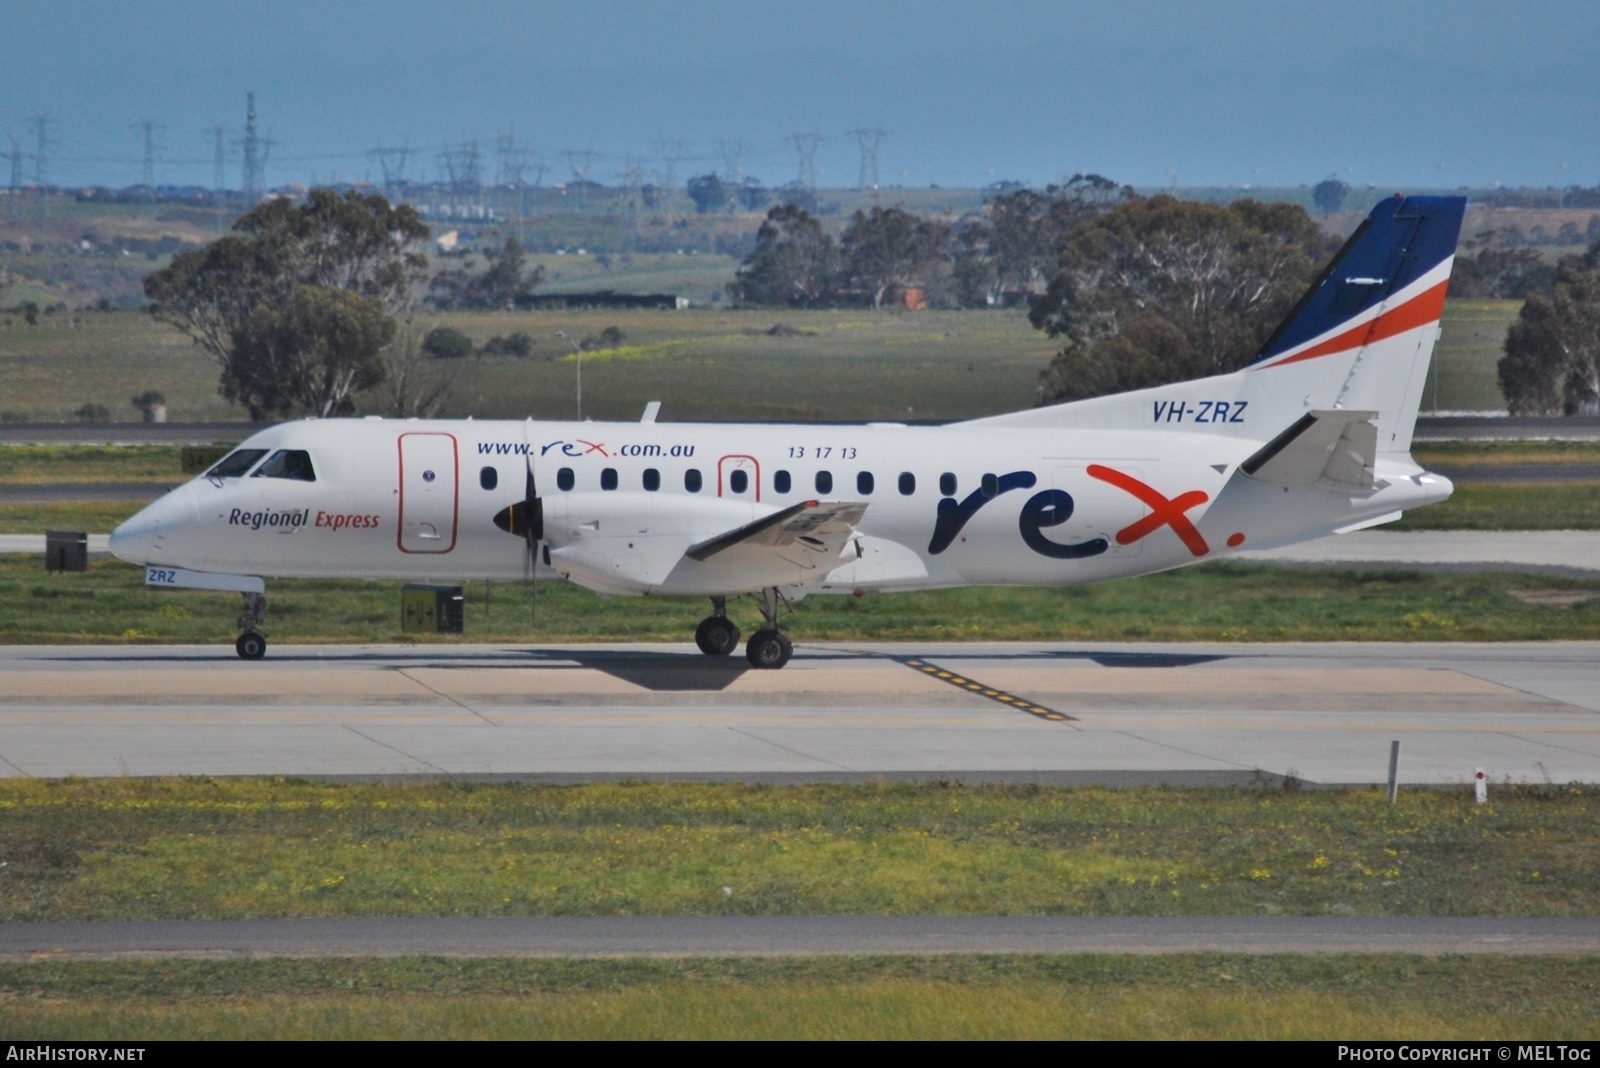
(1214, 602)
(1465, 359)
(242, 848)
(1503, 453)
(1180, 998)
(700, 363)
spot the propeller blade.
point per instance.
(534, 519)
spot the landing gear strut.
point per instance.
(252, 645)
(767, 647)
(717, 635)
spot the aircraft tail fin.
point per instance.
(1373, 315)
(1360, 339)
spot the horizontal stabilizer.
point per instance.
(811, 526)
(1337, 445)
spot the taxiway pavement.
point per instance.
(1068, 713)
(725, 936)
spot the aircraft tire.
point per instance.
(768, 650)
(251, 646)
(717, 636)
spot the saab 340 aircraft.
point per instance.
(1312, 438)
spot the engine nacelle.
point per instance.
(630, 541)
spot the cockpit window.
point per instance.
(292, 464)
(236, 463)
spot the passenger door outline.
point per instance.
(428, 505)
(728, 465)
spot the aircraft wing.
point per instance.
(1337, 445)
(810, 531)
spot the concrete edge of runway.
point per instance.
(1107, 779)
(796, 936)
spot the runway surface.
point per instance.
(723, 936)
(1564, 552)
(64, 492)
(1105, 713)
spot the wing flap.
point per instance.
(811, 529)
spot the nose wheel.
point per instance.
(252, 645)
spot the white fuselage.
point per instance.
(945, 506)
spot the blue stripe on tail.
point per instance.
(1403, 239)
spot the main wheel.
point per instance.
(717, 636)
(768, 649)
(251, 646)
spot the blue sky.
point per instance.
(1402, 94)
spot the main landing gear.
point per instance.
(767, 648)
(717, 635)
(252, 645)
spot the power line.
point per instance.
(463, 163)
(147, 129)
(513, 160)
(43, 143)
(219, 157)
(671, 153)
(256, 150)
(869, 140)
(16, 156)
(732, 153)
(579, 162)
(806, 145)
(392, 162)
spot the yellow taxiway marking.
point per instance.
(980, 690)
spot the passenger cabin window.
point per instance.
(691, 480)
(824, 481)
(293, 464)
(908, 483)
(608, 478)
(781, 482)
(991, 485)
(488, 478)
(235, 464)
(565, 480)
(652, 479)
(947, 484)
(864, 483)
(738, 481)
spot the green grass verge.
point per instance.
(160, 849)
(1213, 602)
(1467, 357)
(1504, 453)
(95, 517)
(1510, 506)
(1196, 996)
(67, 464)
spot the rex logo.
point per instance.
(1052, 507)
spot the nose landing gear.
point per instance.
(252, 645)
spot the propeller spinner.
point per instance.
(525, 519)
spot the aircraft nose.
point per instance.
(132, 540)
(147, 536)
